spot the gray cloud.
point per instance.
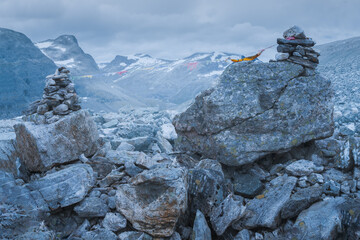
(174, 29)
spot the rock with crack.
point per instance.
(255, 110)
(65, 187)
(153, 200)
(265, 209)
(43, 146)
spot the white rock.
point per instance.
(281, 56)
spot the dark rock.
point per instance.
(247, 185)
(207, 186)
(256, 109)
(285, 48)
(92, 207)
(301, 42)
(243, 235)
(201, 230)
(301, 200)
(102, 233)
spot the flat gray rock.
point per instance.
(44, 146)
(153, 200)
(256, 109)
(132, 235)
(92, 207)
(114, 221)
(302, 168)
(65, 187)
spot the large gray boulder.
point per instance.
(153, 200)
(44, 146)
(257, 109)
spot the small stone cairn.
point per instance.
(295, 47)
(59, 99)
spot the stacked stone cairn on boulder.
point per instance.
(295, 47)
(59, 99)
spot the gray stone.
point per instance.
(285, 48)
(92, 207)
(42, 109)
(300, 50)
(302, 42)
(226, 213)
(112, 202)
(247, 185)
(153, 200)
(132, 235)
(124, 146)
(103, 234)
(302, 61)
(113, 177)
(328, 147)
(334, 174)
(62, 109)
(265, 209)
(65, 187)
(281, 56)
(300, 200)
(111, 124)
(297, 54)
(243, 235)
(164, 144)
(175, 236)
(316, 178)
(114, 221)
(201, 230)
(295, 32)
(302, 168)
(332, 188)
(255, 110)
(345, 187)
(320, 221)
(207, 186)
(132, 170)
(43, 146)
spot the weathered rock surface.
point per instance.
(230, 210)
(301, 200)
(207, 186)
(265, 209)
(114, 221)
(154, 200)
(132, 235)
(201, 230)
(92, 207)
(65, 187)
(43, 146)
(302, 167)
(256, 109)
(320, 221)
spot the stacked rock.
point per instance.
(297, 48)
(59, 98)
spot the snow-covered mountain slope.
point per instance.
(340, 62)
(23, 69)
(65, 51)
(153, 82)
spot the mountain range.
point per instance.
(139, 80)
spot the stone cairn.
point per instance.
(59, 99)
(295, 47)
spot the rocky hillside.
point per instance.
(23, 69)
(66, 52)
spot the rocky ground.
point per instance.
(263, 155)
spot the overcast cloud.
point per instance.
(176, 29)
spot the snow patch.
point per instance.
(60, 48)
(43, 44)
(66, 63)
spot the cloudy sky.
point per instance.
(174, 29)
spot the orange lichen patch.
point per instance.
(302, 223)
(261, 196)
(351, 212)
(197, 181)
